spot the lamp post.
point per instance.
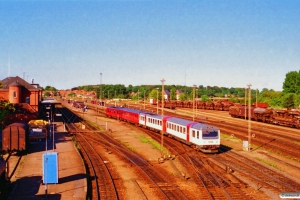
(196, 101)
(101, 87)
(249, 117)
(157, 101)
(162, 114)
(138, 99)
(144, 100)
(194, 86)
(245, 103)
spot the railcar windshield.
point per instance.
(210, 135)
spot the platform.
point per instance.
(72, 182)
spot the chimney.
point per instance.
(32, 80)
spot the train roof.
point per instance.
(204, 127)
(126, 109)
(176, 120)
(153, 115)
(195, 125)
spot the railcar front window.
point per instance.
(210, 135)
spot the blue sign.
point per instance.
(50, 167)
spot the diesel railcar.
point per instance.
(202, 137)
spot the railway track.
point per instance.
(102, 181)
(212, 183)
(267, 137)
(222, 165)
(102, 184)
(261, 175)
(167, 189)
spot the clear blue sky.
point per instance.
(225, 43)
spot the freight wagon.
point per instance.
(15, 137)
(261, 112)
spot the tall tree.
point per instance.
(289, 100)
(291, 83)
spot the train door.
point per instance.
(164, 124)
(188, 133)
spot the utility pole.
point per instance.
(194, 86)
(245, 103)
(144, 99)
(249, 117)
(101, 88)
(157, 101)
(162, 115)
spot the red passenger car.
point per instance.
(125, 114)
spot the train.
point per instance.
(215, 105)
(289, 118)
(202, 137)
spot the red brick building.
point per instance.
(16, 90)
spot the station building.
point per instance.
(17, 91)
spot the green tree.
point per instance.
(173, 94)
(289, 100)
(182, 97)
(291, 83)
(5, 109)
(205, 98)
(47, 94)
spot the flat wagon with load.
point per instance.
(38, 129)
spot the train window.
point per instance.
(197, 134)
(180, 129)
(177, 128)
(184, 130)
(193, 133)
(212, 134)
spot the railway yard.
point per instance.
(125, 161)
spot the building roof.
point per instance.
(13, 81)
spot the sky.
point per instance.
(224, 43)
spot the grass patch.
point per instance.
(267, 162)
(128, 146)
(75, 143)
(229, 137)
(154, 144)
